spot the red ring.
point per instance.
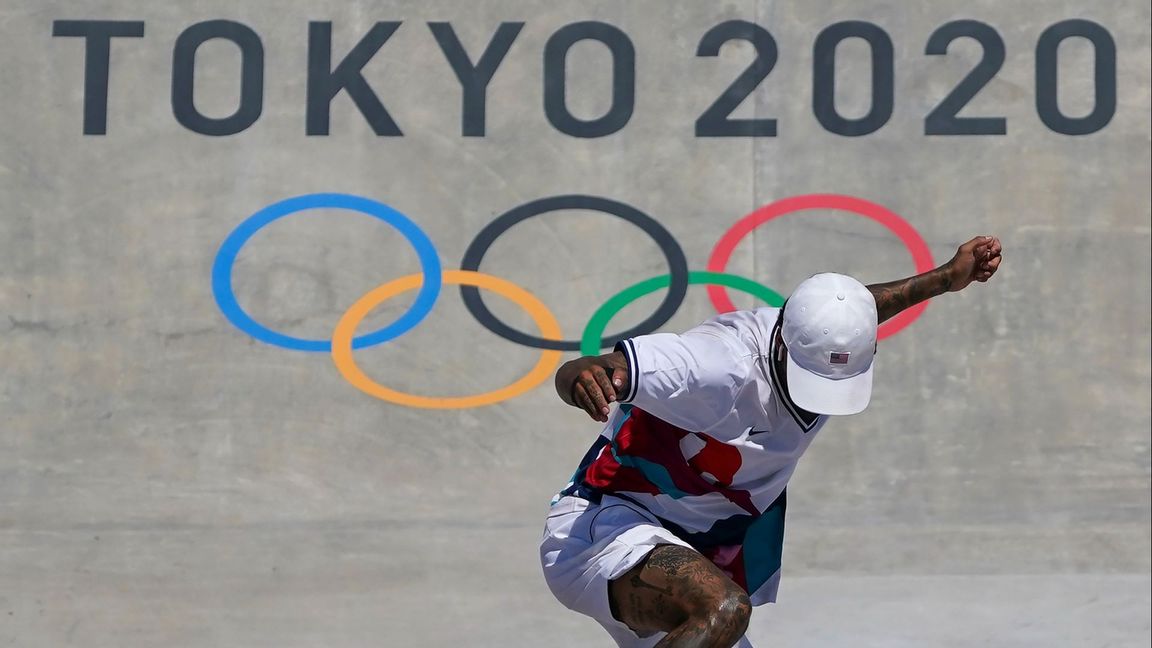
(921, 255)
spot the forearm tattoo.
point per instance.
(895, 296)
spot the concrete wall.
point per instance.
(165, 479)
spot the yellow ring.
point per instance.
(346, 329)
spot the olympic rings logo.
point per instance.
(432, 278)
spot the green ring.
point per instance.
(590, 341)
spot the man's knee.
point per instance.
(729, 614)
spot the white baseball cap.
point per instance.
(829, 327)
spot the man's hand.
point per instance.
(592, 382)
(976, 260)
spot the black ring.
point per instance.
(677, 267)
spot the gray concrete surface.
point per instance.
(167, 480)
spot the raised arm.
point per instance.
(976, 260)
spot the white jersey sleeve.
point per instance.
(692, 380)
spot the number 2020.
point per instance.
(944, 119)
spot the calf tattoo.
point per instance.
(672, 559)
(679, 591)
(639, 583)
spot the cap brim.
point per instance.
(821, 395)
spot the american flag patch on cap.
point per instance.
(838, 358)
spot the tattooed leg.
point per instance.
(678, 591)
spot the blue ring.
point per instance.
(226, 259)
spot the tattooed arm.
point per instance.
(976, 260)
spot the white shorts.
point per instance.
(586, 545)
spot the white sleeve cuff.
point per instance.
(629, 350)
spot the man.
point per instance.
(672, 527)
